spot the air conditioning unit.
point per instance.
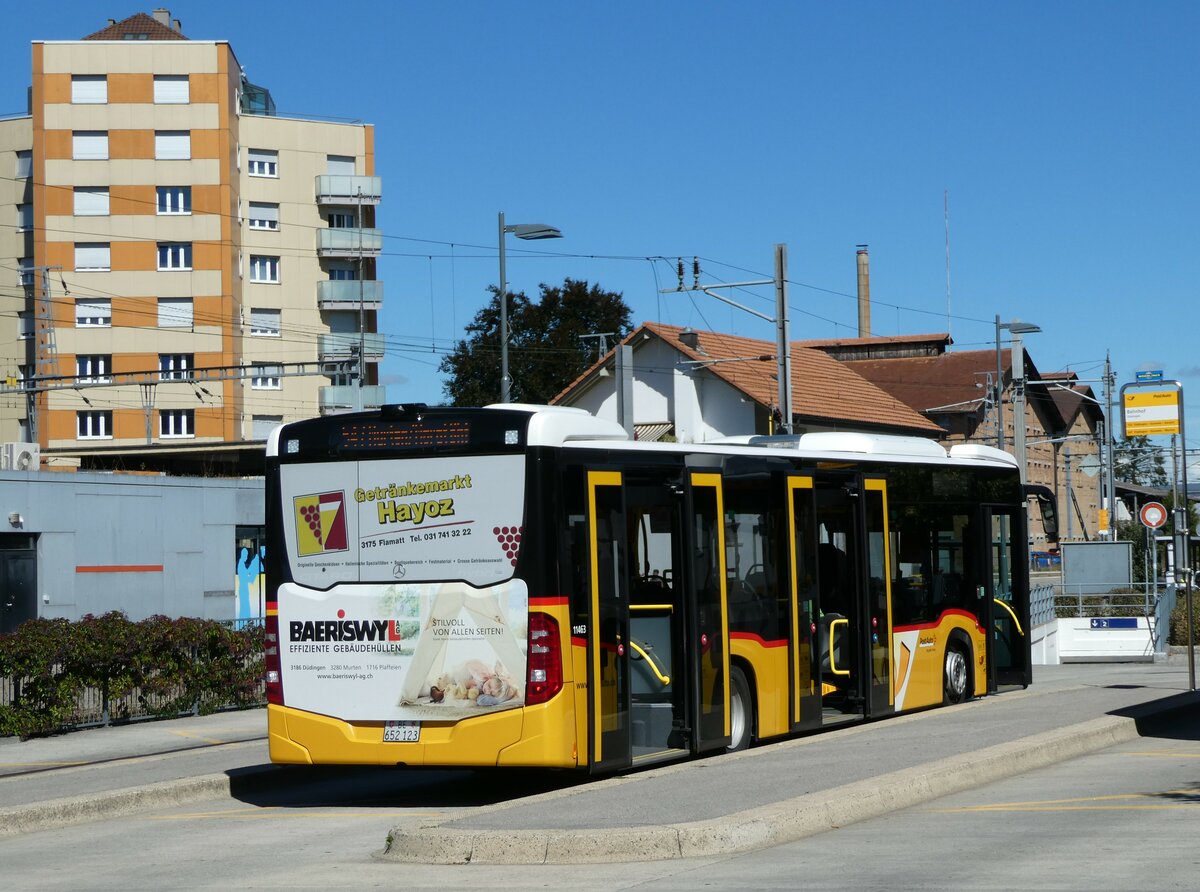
(20, 456)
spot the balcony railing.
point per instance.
(341, 396)
(348, 189)
(349, 242)
(342, 345)
(345, 294)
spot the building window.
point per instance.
(91, 201)
(89, 89)
(172, 145)
(175, 366)
(25, 276)
(174, 255)
(339, 165)
(89, 145)
(343, 273)
(176, 423)
(174, 312)
(25, 324)
(93, 312)
(24, 164)
(264, 268)
(263, 215)
(265, 323)
(93, 368)
(263, 163)
(24, 217)
(262, 425)
(171, 89)
(264, 376)
(174, 199)
(92, 256)
(93, 425)
(340, 220)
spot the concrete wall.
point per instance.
(144, 545)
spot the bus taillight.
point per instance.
(271, 661)
(545, 659)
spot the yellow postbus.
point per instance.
(525, 585)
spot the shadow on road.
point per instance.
(1172, 718)
(383, 787)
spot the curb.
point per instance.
(55, 813)
(768, 825)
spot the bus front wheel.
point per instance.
(741, 711)
(956, 674)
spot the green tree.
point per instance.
(1136, 460)
(545, 352)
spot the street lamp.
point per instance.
(529, 231)
(1018, 362)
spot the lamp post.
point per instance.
(528, 231)
(1018, 362)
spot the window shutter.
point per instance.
(89, 145)
(170, 88)
(172, 145)
(91, 201)
(89, 88)
(92, 255)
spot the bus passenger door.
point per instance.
(1007, 600)
(660, 688)
(805, 605)
(840, 609)
(709, 630)
(608, 630)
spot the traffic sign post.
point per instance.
(1151, 406)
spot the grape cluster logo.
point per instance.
(510, 541)
(321, 523)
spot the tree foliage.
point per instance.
(545, 352)
(1136, 460)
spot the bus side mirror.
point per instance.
(1048, 508)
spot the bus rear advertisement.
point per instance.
(524, 585)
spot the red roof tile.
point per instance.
(138, 23)
(824, 390)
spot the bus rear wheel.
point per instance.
(741, 711)
(955, 675)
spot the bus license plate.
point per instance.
(401, 732)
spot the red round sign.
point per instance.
(1153, 514)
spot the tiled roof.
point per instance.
(935, 339)
(1071, 403)
(824, 390)
(952, 382)
(138, 23)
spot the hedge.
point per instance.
(155, 667)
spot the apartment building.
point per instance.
(187, 268)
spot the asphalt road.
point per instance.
(1123, 818)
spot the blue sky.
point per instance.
(1064, 133)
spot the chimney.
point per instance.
(864, 292)
(178, 26)
(163, 16)
(112, 21)
(689, 338)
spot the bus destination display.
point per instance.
(386, 435)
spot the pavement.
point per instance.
(724, 804)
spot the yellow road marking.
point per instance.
(213, 740)
(37, 764)
(1121, 800)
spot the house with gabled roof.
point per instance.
(700, 386)
(957, 390)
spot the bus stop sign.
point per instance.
(1153, 514)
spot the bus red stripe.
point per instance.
(758, 639)
(937, 622)
(548, 602)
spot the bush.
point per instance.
(1178, 633)
(164, 666)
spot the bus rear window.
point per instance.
(416, 520)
